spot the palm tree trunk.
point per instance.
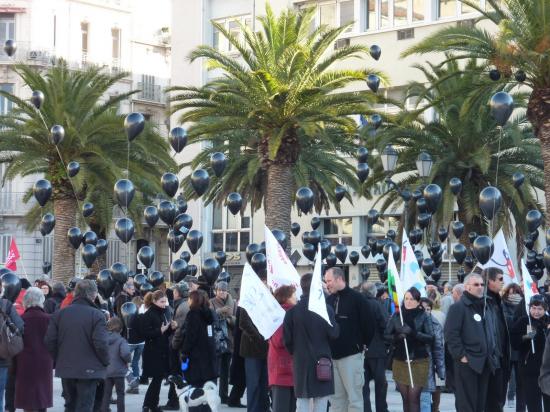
(63, 268)
(278, 198)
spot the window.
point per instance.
(5, 104)
(115, 35)
(338, 230)
(346, 13)
(229, 233)
(371, 14)
(47, 248)
(384, 13)
(7, 28)
(447, 8)
(216, 36)
(233, 25)
(418, 10)
(84, 29)
(465, 8)
(5, 241)
(400, 17)
(234, 30)
(327, 14)
(334, 13)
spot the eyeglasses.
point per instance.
(478, 284)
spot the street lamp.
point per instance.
(389, 158)
(424, 164)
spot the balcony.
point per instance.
(12, 204)
(150, 92)
(28, 54)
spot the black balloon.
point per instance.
(178, 270)
(536, 273)
(258, 263)
(423, 220)
(391, 234)
(101, 246)
(146, 288)
(422, 205)
(295, 228)
(419, 257)
(89, 255)
(339, 193)
(372, 216)
(234, 202)
(314, 237)
(89, 238)
(305, 199)
(74, 235)
(128, 311)
(415, 236)
(170, 184)
(309, 251)
(146, 256)
(73, 168)
(183, 222)
(124, 191)
(156, 279)
(139, 280)
(42, 191)
(376, 121)
(457, 228)
(472, 236)
(87, 209)
(218, 162)
(200, 181)
(181, 205)
(362, 171)
(380, 243)
(167, 212)
(528, 242)
(194, 240)
(494, 74)
(432, 193)
(10, 46)
(220, 256)
(353, 257)
(315, 222)
(362, 154)
(185, 255)
(365, 251)
(57, 134)
(533, 219)
(442, 233)
(436, 275)
(428, 266)
(251, 250)
(11, 286)
(192, 270)
(46, 267)
(365, 273)
(375, 51)
(330, 259)
(224, 277)
(406, 195)
(325, 248)
(394, 249)
(518, 178)
(459, 253)
(175, 239)
(416, 194)
(520, 76)
(341, 252)
(178, 138)
(490, 201)
(502, 106)
(151, 215)
(124, 229)
(456, 185)
(210, 270)
(37, 98)
(381, 266)
(373, 82)
(483, 249)
(47, 224)
(119, 272)
(134, 124)
(281, 237)
(262, 247)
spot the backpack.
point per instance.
(11, 338)
(221, 335)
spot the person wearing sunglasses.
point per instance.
(470, 336)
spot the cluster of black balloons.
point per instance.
(520, 76)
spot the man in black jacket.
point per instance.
(496, 393)
(77, 341)
(470, 338)
(375, 355)
(126, 295)
(354, 316)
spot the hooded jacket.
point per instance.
(119, 356)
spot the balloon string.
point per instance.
(496, 178)
(64, 167)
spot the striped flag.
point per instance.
(395, 288)
(529, 287)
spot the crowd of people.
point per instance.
(476, 340)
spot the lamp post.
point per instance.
(389, 159)
(424, 164)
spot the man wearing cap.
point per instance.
(226, 309)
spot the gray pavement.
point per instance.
(134, 402)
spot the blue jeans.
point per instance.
(426, 401)
(136, 349)
(256, 385)
(3, 380)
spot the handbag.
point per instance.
(323, 366)
(11, 339)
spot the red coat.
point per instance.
(279, 361)
(34, 365)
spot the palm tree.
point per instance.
(280, 113)
(521, 43)
(94, 137)
(464, 142)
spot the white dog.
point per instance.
(207, 395)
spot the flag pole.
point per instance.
(407, 352)
(531, 329)
(25, 271)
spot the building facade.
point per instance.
(394, 25)
(122, 35)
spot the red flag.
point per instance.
(13, 256)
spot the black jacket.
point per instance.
(77, 340)
(53, 303)
(468, 333)
(509, 310)
(7, 307)
(307, 337)
(502, 337)
(120, 300)
(155, 351)
(253, 344)
(354, 316)
(377, 347)
(422, 334)
(529, 362)
(195, 341)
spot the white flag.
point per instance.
(280, 270)
(264, 311)
(529, 287)
(317, 302)
(502, 259)
(411, 275)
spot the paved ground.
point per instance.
(134, 402)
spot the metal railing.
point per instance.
(11, 203)
(150, 91)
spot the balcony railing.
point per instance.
(11, 203)
(150, 92)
